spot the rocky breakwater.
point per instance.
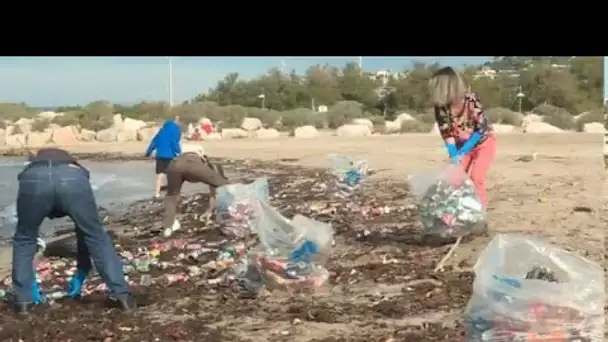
(39, 131)
(254, 128)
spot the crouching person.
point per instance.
(191, 166)
(55, 185)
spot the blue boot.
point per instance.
(76, 283)
(37, 295)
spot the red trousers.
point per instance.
(477, 162)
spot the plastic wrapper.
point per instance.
(291, 253)
(448, 204)
(237, 206)
(348, 175)
(528, 290)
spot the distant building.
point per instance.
(485, 72)
(386, 75)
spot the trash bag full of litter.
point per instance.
(348, 175)
(447, 202)
(291, 253)
(529, 290)
(237, 206)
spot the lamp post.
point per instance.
(520, 97)
(170, 81)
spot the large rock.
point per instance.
(147, 133)
(364, 122)
(594, 127)
(126, 135)
(404, 117)
(86, 135)
(22, 121)
(305, 132)
(117, 121)
(107, 135)
(251, 124)
(270, 133)
(234, 133)
(392, 126)
(49, 115)
(129, 124)
(541, 127)
(65, 135)
(38, 138)
(353, 131)
(24, 124)
(16, 140)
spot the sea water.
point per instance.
(115, 183)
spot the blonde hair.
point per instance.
(447, 86)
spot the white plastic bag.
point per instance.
(291, 253)
(529, 290)
(447, 201)
(348, 175)
(237, 206)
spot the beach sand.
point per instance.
(542, 197)
(535, 197)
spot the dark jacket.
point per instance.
(166, 141)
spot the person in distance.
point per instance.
(165, 145)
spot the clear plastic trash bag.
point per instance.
(348, 175)
(529, 290)
(447, 202)
(291, 253)
(237, 206)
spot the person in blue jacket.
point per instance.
(165, 145)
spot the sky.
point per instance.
(56, 81)
(605, 76)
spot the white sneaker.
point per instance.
(169, 231)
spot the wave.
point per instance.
(100, 183)
(13, 163)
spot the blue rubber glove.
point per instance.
(453, 153)
(76, 283)
(469, 144)
(37, 295)
(304, 252)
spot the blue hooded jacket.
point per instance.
(166, 141)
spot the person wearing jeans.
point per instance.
(468, 136)
(55, 185)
